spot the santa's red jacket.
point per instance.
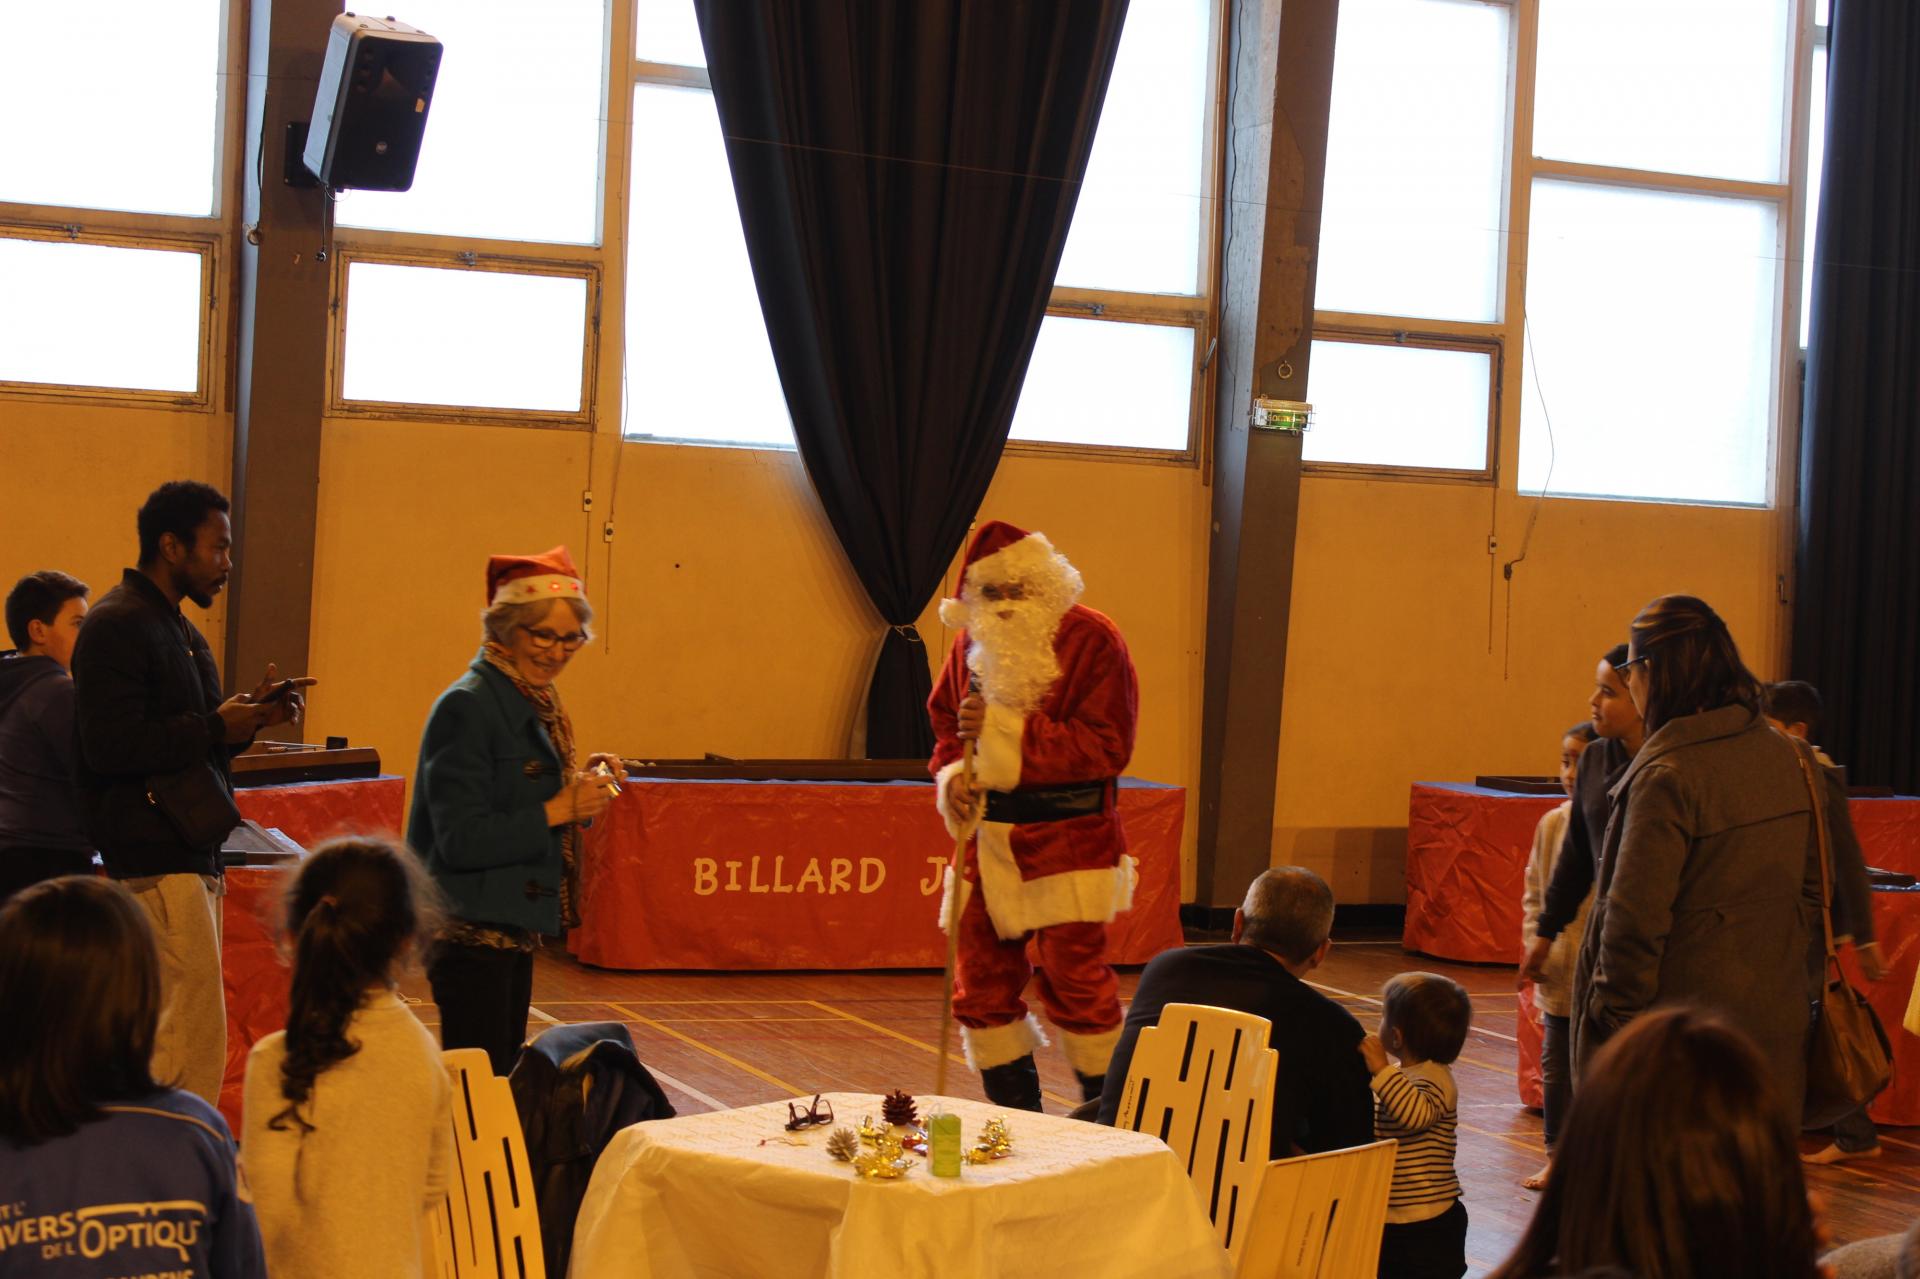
(1051, 872)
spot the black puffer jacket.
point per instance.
(575, 1087)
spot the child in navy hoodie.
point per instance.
(103, 1173)
(41, 835)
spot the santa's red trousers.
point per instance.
(1077, 985)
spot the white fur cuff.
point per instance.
(1089, 1054)
(956, 823)
(946, 899)
(997, 1045)
(996, 760)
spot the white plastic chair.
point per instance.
(487, 1225)
(1320, 1216)
(1202, 1081)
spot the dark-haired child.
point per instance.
(1424, 1022)
(103, 1172)
(346, 1124)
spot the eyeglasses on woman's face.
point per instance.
(546, 639)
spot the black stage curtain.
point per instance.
(906, 172)
(1856, 616)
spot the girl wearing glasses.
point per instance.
(498, 803)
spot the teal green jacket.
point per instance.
(478, 820)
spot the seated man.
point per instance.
(1321, 1098)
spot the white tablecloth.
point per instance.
(701, 1196)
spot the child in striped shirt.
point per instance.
(1424, 1021)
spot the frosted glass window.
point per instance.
(667, 31)
(1136, 227)
(100, 315)
(1379, 405)
(1816, 165)
(1104, 383)
(1651, 321)
(111, 104)
(512, 147)
(699, 366)
(476, 339)
(1678, 86)
(1416, 160)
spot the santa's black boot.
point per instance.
(1015, 1086)
(1091, 1086)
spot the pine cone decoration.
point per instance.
(843, 1144)
(898, 1108)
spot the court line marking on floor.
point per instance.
(677, 1003)
(741, 1021)
(891, 1033)
(689, 1089)
(1531, 1148)
(709, 1049)
(547, 1017)
(1369, 999)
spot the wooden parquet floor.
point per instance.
(717, 1040)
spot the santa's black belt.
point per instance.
(1047, 803)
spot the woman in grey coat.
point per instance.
(1702, 891)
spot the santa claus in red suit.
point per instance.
(1044, 689)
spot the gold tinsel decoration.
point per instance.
(898, 1109)
(844, 1144)
(996, 1142)
(887, 1161)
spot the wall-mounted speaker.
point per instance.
(370, 110)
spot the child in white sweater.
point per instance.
(1424, 1020)
(346, 1129)
(1553, 993)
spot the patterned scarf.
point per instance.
(553, 718)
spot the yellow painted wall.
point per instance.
(1397, 671)
(730, 621)
(73, 475)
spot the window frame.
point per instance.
(339, 406)
(209, 234)
(513, 257)
(206, 245)
(1522, 168)
(1197, 311)
(1488, 345)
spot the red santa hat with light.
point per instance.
(1002, 554)
(522, 579)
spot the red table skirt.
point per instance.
(256, 980)
(762, 875)
(1467, 860)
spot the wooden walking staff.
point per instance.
(956, 867)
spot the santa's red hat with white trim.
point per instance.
(1004, 553)
(522, 579)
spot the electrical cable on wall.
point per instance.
(1546, 483)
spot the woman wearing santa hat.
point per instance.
(498, 803)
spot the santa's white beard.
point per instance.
(1013, 656)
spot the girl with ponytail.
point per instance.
(346, 1123)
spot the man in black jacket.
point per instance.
(148, 708)
(1321, 1096)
